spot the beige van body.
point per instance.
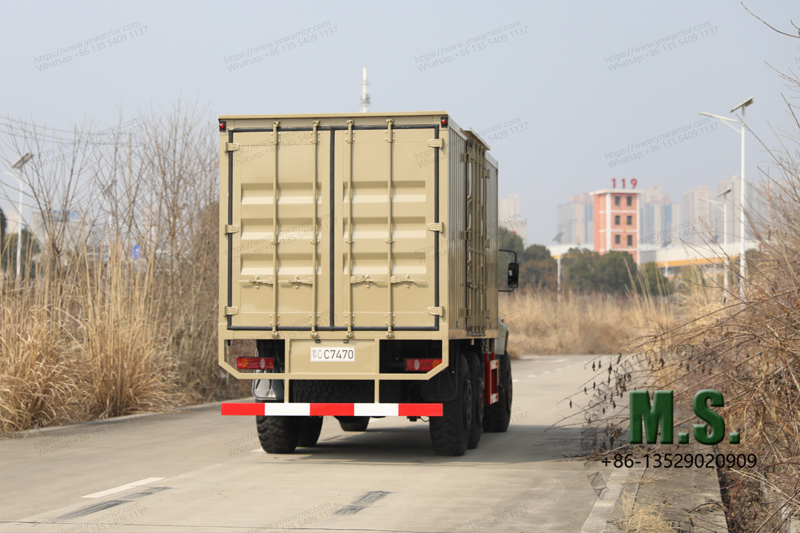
(351, 230)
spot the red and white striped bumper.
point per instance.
(332, 409)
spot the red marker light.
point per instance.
(255, 363)
(221, 125)
(444, 121)
(422, 365)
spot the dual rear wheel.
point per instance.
(465, 416)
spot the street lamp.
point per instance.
(724, 239)
(18, 167)
(727, 121)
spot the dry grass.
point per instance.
(90, 348)
(641, 518)
(580, 324)
(93, 332)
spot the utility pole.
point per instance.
(742, 196)
(18, 167)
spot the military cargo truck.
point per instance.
(359, 275)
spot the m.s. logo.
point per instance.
(660, 413)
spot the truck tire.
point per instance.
(277, 434)
(450, 433)
(353, 423)
(309, 429)
(497, 416)
(476, 378)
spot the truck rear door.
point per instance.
(279, 274)
(386, 252)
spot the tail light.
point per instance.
(422, 365)
(255, 363)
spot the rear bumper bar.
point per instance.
(332, 409)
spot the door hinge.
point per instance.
(230, 228)
(231, 310)
(436, 143)
(231, 147)
(438, 311)
(436, 226)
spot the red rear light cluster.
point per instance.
(422, 365)
(255, 363)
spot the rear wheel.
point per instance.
(450, 433)
(476, 379)
(353, 423)
(277, 434)
(309, 429)
(497, 416)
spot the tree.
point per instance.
(588, 271)
(536, 252)
(538, 269)
(614, 272)
(510, 241)
(578, 266)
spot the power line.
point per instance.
(54, 138)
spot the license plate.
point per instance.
(333, 355)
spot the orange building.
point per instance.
(616, 221)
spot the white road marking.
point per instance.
(546, 372)
(559, 369)
(514, 380)
(123, 487)
(532, 376)
(569, 366)
(257, 450)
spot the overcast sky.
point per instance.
(552, 68)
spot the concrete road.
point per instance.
(197, 471)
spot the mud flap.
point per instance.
(440, 388)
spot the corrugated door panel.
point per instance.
(492, 268)
(298, 296)
(386, 274)
(456, 255)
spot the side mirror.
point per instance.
(513, 275)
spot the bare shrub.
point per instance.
(119, 312)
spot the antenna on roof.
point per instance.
(364, 93)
